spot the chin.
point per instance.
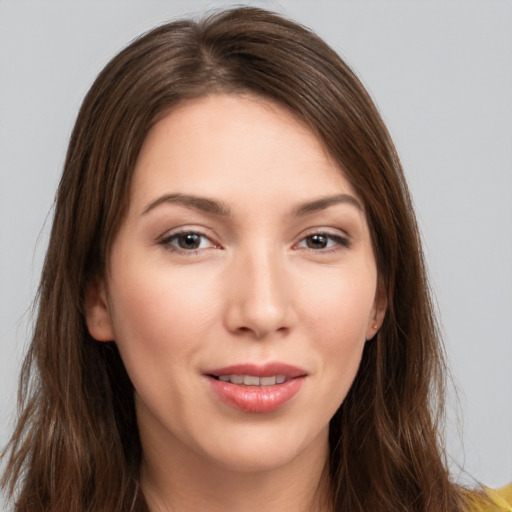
(253, 461)
(252, 452)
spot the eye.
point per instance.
(322, 241)
(187, 241)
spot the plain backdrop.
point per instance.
(441, 74)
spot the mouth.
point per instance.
(256, 389)
(252, 380)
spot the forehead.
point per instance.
(233, 146)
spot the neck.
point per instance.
(186, 481)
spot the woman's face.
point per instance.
(241, 288)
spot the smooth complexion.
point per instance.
(244, 244)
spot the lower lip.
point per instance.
(256, 399)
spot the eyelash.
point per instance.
(167, 242)
(338, 242)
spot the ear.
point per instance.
(97, 314)
(380, 306)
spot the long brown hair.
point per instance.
(76, 445)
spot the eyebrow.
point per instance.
(324, 202)
(215, 207)
(202, 204)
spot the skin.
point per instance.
(259, 287)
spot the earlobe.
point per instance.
(97, 313)
(379, 309)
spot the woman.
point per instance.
(233, 310)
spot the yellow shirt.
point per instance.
(501, 501)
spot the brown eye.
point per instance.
(317, 241)
(322, 241)
(186, 241)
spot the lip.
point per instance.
(263, 370)
(257, 399)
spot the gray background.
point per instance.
(441, 73)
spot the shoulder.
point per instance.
(497, 500)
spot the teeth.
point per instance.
(252, 380)
(249, 380)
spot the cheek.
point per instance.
(340, 315)
(341, 301)
(159, 318)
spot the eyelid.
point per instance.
(342, 239)
(166, 239)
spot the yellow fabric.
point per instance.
(501, 500)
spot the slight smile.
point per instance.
(256, 389)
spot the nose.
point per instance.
(259, 296)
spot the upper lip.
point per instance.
(259, 370)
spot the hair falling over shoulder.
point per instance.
(76, 444)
